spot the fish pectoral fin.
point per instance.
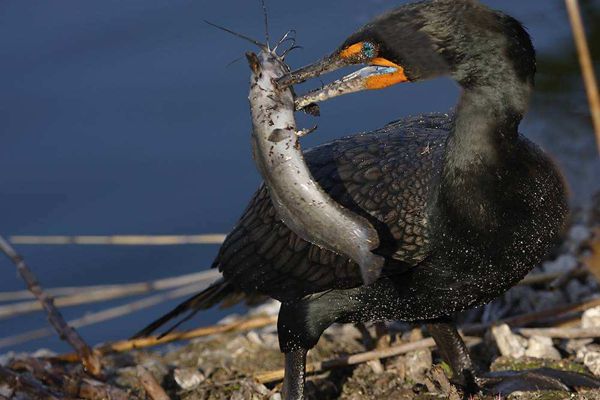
(278, 135)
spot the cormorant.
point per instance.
(465, 205)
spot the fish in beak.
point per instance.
(378, 73)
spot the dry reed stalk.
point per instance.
(550, 277)
(105, 315)
(160, 284)
(127, 345)
(108, 292)
(587, 67)
(28, 385)
(538, 316)
(561, 333)
(121, 240)
(153, 389)
(89, 359)
(360, 358)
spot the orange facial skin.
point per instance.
(383, 81)
(378, 81)
(352, 51)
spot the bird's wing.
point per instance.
(385, 176)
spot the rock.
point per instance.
(572, 346)
(576, 291)
(6, 391)
(43, 353)
(592, 361)
(590, 356)
(542, 347)
(591, 318)
(254, 337)
(563, 263)
(509, 344)
(6, 358)
(418, 363)
(188, 378)
(579, 234)
(376, 366)
(270, 308)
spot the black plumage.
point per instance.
(464, 205)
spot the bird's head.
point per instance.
(464, 39)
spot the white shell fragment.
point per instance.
(509, 344)
(188, 378)
(542, 347)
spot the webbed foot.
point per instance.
(506, 382)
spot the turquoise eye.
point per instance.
(369, 49)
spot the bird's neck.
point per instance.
(480, 156)
(486, 126)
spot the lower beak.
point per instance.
(380, 74)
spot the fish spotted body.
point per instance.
(298, 199)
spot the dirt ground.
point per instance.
(226, 366)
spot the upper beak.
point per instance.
(380, 73)
(328, 64)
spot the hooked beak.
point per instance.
(378, 74)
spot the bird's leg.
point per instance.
(455, 353)
(299, 327)
(295, 375)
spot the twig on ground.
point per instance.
(105, 315)
(526, 319)
(587, 67)
(551, 277)
(108, 292)
(28, 385)
(561, 333)
(71, 382)
(121, 240)
(360, 358)
(153, 389)
(90, 360)
(127, 345)
(93, 390)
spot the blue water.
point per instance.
(125, 118)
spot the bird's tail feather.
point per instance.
(212, 295)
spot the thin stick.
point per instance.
(87, 296)
(27, 385)
(160, 284)
(525, 319)
(587, 66)
(153, 389)
(91, 361)
(549, 277)
(561, 333)
(105, 315)
(128, 345)
(121, 240)
(94, 390)
(360, 358)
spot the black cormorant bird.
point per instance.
(465, 206)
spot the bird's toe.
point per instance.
(506, 382)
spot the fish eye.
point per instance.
(369, 50)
